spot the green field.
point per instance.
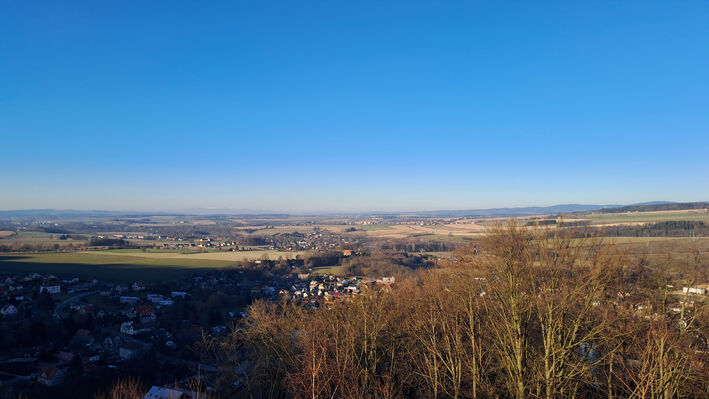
(113, 267)
(131, 264)
(334, 270)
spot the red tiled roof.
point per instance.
(144, 310)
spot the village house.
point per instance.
(154, 298)
(129, 299)
(50, 376)
(139, 286)
(112, 343)
(89, 360)
(146, 313)
(50, 289)
(119, 289)
(166, 302)
(386, 280)
(8, 310)
(130, 328)
(160, 300)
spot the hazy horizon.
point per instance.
(209, 211)
(332, 107)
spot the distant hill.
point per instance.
(72, 213)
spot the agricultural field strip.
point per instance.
(206, 259)
(648, 217)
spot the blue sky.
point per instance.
(349, 106)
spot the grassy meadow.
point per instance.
(335, 270)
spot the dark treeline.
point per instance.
(419, 245)
(78, 243)
(114, 243)
(185, 231)
(554, 222)
(657, 207)
(528, 314)
(28, 248)
(378, 263)
(252, 240)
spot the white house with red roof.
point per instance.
(146, 313)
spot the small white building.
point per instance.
(386, 280)
(155, 298)
(130, 328)
(694, 290)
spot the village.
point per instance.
(56, 330)
(322, 290)
(295, 241)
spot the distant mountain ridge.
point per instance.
(65, 213)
